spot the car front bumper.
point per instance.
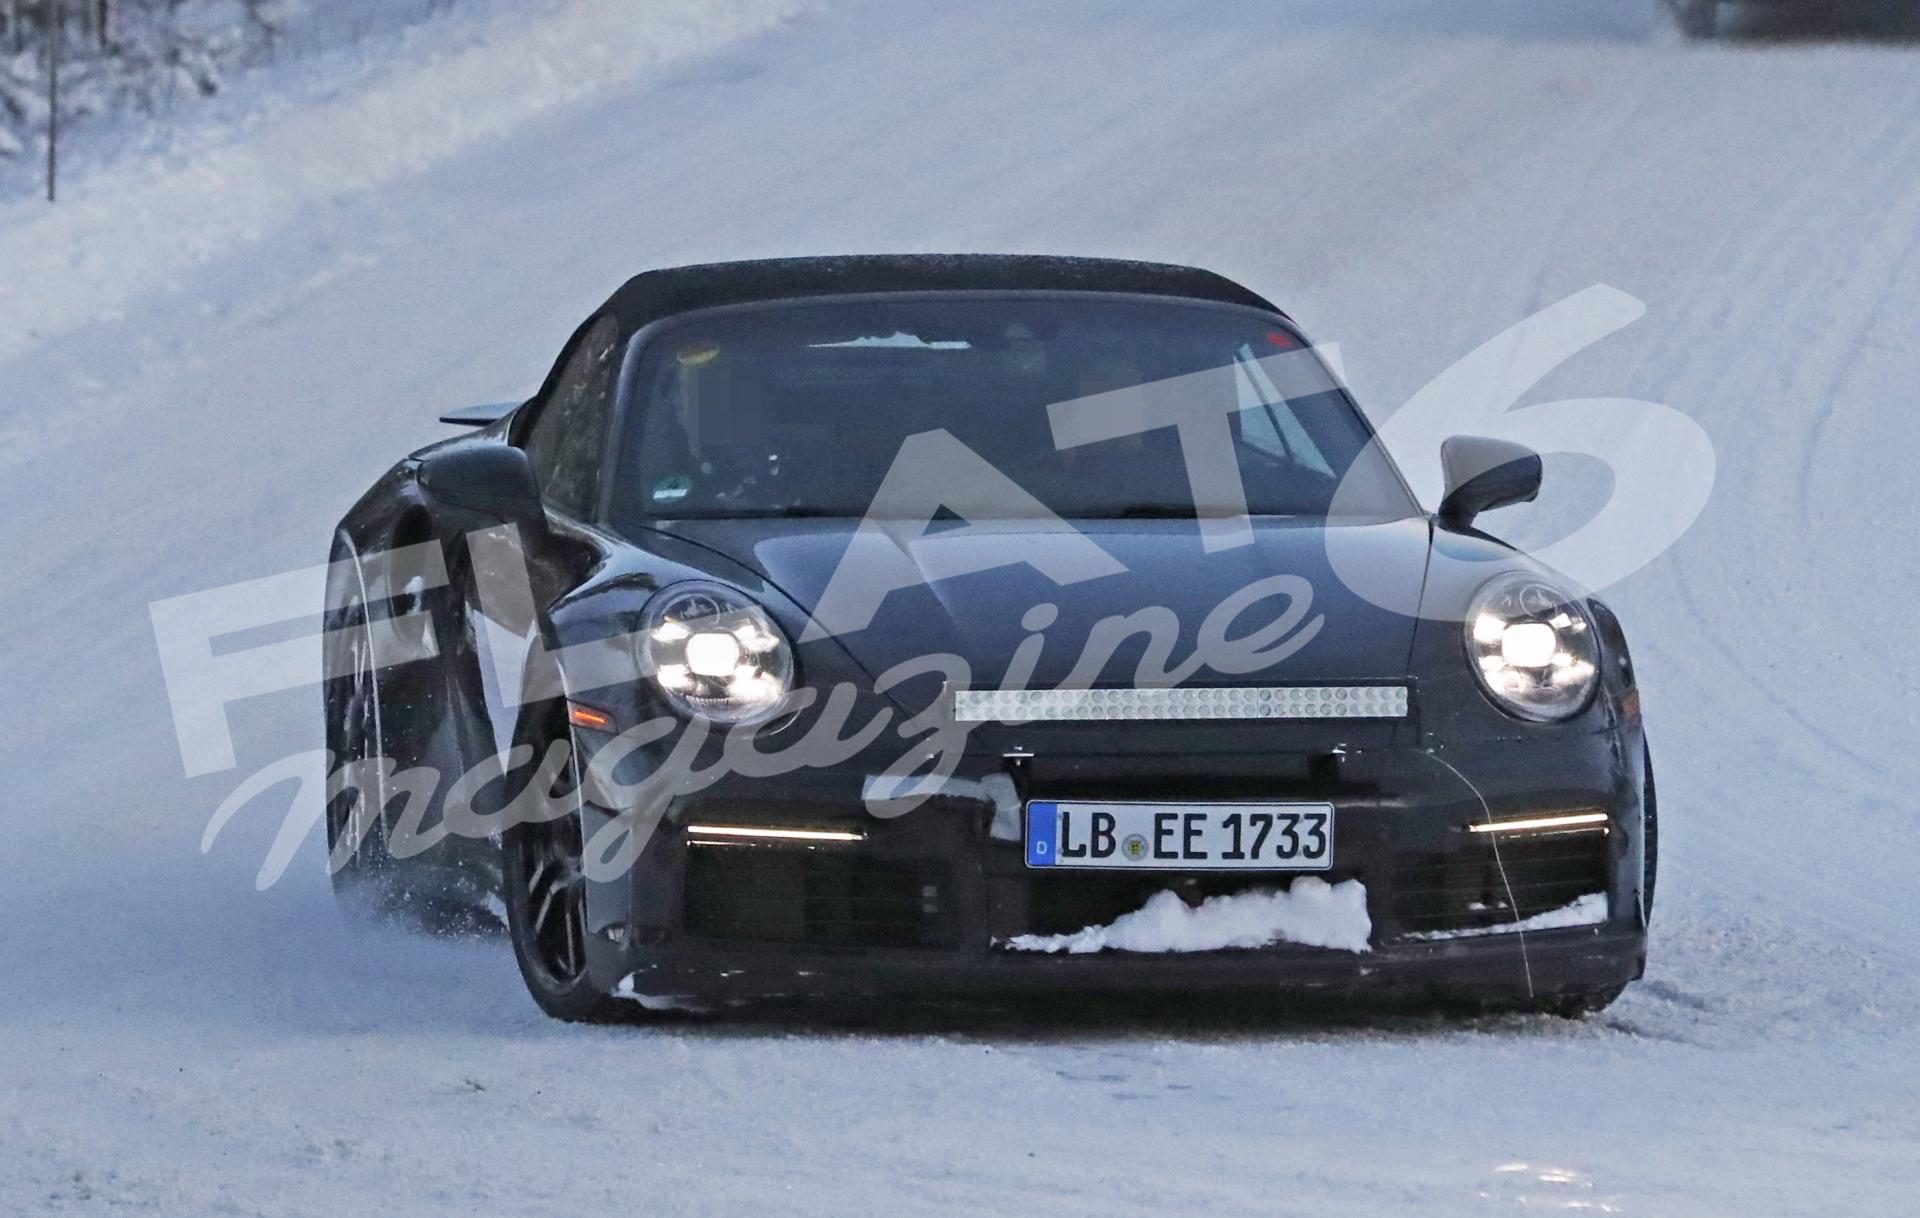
(1491, 969)
(928, 902)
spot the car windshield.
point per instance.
(1085, 406)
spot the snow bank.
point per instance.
(1313, 912)
(80, 261)
(1585, 911)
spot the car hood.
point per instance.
(1167, 574)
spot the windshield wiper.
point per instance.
(799, 511)
(788, 511)
(1146, 511)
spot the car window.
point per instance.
(1268, 422)
(568, 443)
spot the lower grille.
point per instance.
(1465, 890)
(818, 897)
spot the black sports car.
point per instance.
(883, 624)
(1701, 18)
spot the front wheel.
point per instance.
(1581, 1005)
(545, 890)
(1589, 1002)
(1650, 840)
(357, 858)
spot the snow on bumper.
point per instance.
(1588, 910)
(1312, 913)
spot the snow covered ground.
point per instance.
(192, 395)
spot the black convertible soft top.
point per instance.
(656, 294)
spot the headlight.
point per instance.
(1533, 648)
(715, 654)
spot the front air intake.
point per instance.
(789, 894)
(1466, 890)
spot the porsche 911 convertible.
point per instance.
(980, 624)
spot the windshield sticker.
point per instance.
(671, 490)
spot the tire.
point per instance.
(438, 892)
(1650, 833)
(1579, 1006)
(360, 870)
(544, 892)
(1699, 18)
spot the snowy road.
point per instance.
(1409, 178)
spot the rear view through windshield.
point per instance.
(803, 409)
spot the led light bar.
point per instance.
(1242, 702)
(784, 835)
(1576, 820)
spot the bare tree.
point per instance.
(56, 39)
(102, 56)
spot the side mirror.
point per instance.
(1483, 474)
(490, 480)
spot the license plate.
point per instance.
(1180, 837)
